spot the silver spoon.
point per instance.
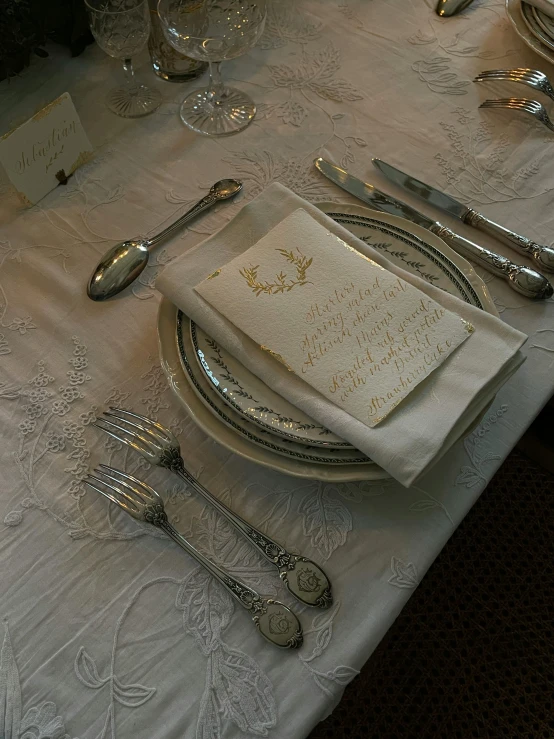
(124, 262)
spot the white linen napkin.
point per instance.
(424, 426)
(546, 6)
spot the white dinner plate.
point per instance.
(225, 435)
(407, 245)
(531, 19)
(253, 399)
(265, 438)
(513, 11)
(416, 250)
(545, 22)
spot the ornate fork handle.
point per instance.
(547, 89)
(275, 621)
(543, 256)
(304, 579)
(523, 280)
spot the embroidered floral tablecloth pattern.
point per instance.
(107, 629)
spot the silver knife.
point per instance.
(523, 279)
(543, 256)
(448, 8)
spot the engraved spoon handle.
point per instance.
(304, 579)
(543, 256)
(206, 202)
(523, 280)
(275, 621)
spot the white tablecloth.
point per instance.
(109, 630)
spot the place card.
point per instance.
(45, 150)
(354, 331)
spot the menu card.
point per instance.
(358, 334)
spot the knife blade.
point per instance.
(524, 280)
(543, 256)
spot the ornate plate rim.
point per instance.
(229, 401)
(453, 266)
(222, 434)
(442, 251)
(530, 17)
(222, 412)
(515, 16)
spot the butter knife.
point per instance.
(524, 280)
(543, 256)
(448, 8)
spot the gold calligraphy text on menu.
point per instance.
(358, 334)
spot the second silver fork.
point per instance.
(275, 622)
(303, 578)
(530, 77)
(533, 107)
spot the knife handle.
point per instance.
(543, 256)
(523, 279)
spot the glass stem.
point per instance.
(129, 72)
(216, 83)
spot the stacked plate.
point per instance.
(533, 26)
(241, 412)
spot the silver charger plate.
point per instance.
(417, 251)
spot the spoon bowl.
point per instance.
(120, 266)
(123, 263)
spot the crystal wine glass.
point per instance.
(214, 31)
(121, 29)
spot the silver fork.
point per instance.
(304, 579)
(530, 77)
(277, 623)
(533, 107)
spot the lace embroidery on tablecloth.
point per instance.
(18, 721)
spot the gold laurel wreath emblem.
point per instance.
(281, 283)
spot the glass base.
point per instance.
(133, 101)
(232, 111)
(174, 75)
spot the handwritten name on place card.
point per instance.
(358, 334)
(45, 150)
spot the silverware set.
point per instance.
(542, 256)
(304, 579)
(522, 279)
(532, 78)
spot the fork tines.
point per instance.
(140, 436)
(521, 74)
(116, 486)
(512, 103)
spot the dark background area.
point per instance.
(27, 25)
(472, 653)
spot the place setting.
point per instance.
(307, 390)
(224, 389)
(317, 340)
